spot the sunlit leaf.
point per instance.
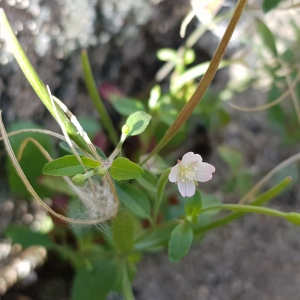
(67, 165)
(124, 169)
(137, 122)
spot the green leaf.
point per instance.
(124, 169)
(57, 185)
(123, 232)
(97, 281)
(66, 148)
(269, 5)
(267, 36)
(32, 160)
(137, 122)
(194, 73)
(180, 242)
(26, 237)
(94, 94)
(232, 157)
(148, 181)
(163, 179)
(155, 237)
(127, 106)
(91, 163)
(67, 165)
(193, 207)
(134, 199)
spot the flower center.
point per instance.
(187, 172)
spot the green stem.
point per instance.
(265, 197)
(126, 284)
(248, 209)
(94, 94)
(204, 83)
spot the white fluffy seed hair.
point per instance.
(101, 205)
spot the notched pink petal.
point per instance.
(173, 176)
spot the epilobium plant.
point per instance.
(130, 199)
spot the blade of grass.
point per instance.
(94, 94)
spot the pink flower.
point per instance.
(188, 171)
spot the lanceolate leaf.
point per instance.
(124, 169)
(91, 163)
(64, 166)
(267, 37)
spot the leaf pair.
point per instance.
(121, 168)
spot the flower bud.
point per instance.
(78, 179)
(125, 129)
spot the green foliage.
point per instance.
(27, 237)
(97, 279)
(135, 200)
(32, 160)
(193, 207)
(267, 37)
(137, 123)
(124, 169)
(270, 4)
(180, 242)
(63, 166)
(127, 106)
(123, 232)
